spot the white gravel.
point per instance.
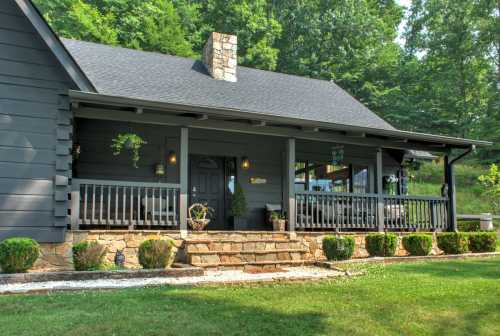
(210, 277)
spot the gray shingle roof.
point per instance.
(171, 79)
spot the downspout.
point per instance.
(450, 181)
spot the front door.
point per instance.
(207, 186)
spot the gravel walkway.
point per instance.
(210, 277)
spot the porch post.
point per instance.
(290, 184)
(380, 202)
(183, 166)
(449, 179)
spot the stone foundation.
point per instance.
(58, 257)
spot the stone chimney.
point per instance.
(219, 56)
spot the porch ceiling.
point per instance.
(92, 105)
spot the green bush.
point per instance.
(17, 255)
(453, 242)
(338, 248)
(418, 244)
(155, 253)
(88, 256)
(482, 241)
(380, 244)
(468, 226)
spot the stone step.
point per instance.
(236, 246)
(299, 250)
(239, 235)
(213, 258)
(257, 265)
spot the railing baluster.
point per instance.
(85, 205)
(101, 204)
(93, 204)
(109, 206)
(131, 209)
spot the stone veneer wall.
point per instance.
(58, 256)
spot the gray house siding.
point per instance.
(35, 130)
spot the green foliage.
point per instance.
(338, 247)
(418, 244)
(381, 245)
(155, 253)
(17, 255)
(483, 241)
(128, 141)
(239, 202)
(490, 182)
(453, 242)
(88, 256)
(468, 226)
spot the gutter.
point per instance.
(471, 149)
(231, 112)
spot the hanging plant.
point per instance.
(128, 141)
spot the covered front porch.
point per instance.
(317, 178)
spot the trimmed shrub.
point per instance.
(468, 226)
(482, 241)
(338, 247)
(155, 253)
(380, 244)
(453, 242)
(418, 244)
(88, 256)
(17, 255)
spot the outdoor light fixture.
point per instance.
(172, 158)
(159, 169)
(245, 163)
(119, 258)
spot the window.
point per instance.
(312, 176)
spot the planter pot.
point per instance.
(198, 224)
(279, 224)
(240, 223)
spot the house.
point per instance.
(299, 146)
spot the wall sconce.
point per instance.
(159, 169)
(245, 163)
(172, 158)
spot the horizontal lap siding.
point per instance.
(31, 82)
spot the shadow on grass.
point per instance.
(485, 268)
(155, 311)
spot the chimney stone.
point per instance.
(219, 56)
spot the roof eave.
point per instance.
(396, 134)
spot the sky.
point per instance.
(407, 4)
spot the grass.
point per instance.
(440, 298)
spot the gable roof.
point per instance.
(163, 78)
(55, 45)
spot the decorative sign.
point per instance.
(337, 155)
(258, 180)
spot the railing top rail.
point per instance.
(347, 194)
(417, 197)
(327, 193)
(77, 182)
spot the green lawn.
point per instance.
(440, 298)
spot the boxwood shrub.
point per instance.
(155, 253)
(483, 241)
(338, 247)
(88, 256)
(418, 244)
(453, 242)
(17, 255)
(381, 244)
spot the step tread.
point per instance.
(256, 263)
(228, 240)
(302, 250)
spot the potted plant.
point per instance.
(198, 216)
(128, 141)
(278, 221)
(239, 207)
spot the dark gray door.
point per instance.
(207, 186)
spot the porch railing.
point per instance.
(124, 203)
(351, 211)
